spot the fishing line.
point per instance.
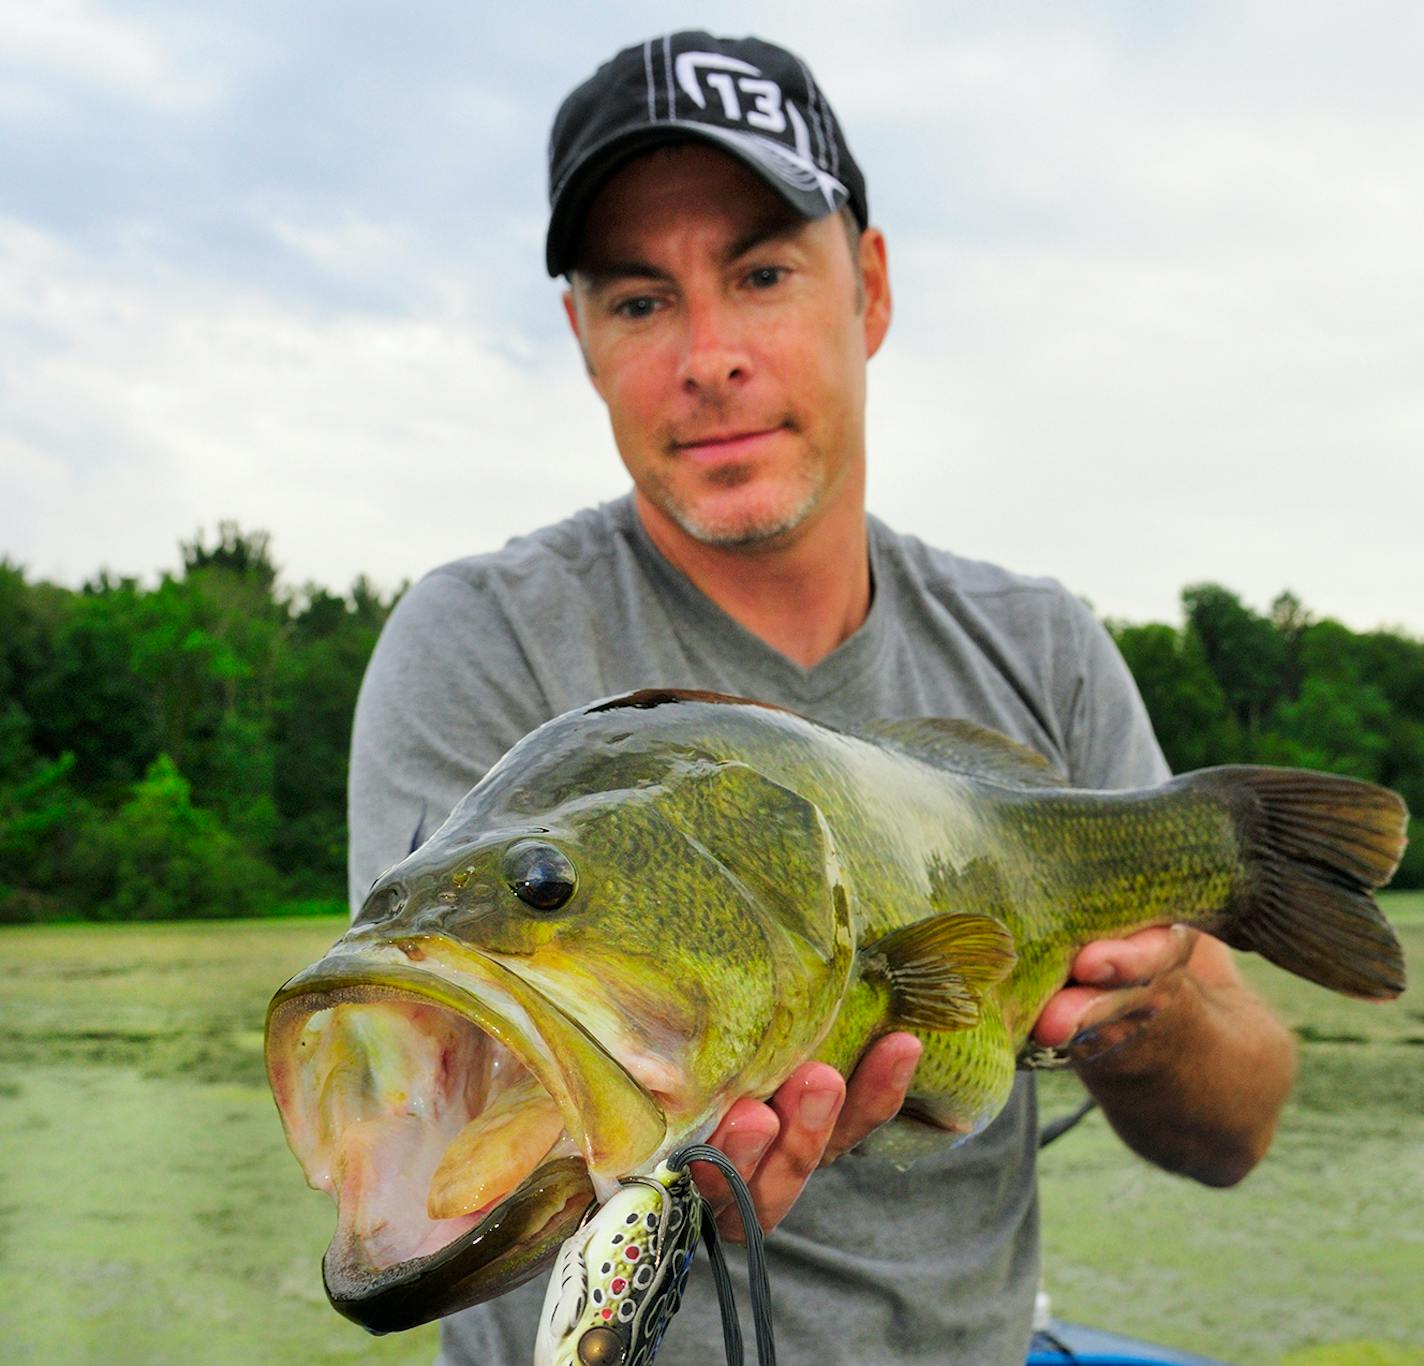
(1056, 1128)
(726, 1296)
(756, 1258)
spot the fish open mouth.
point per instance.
(459, 1119)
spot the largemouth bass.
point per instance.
(656, 904)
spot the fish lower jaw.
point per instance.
(465, 1261)
(375, 1240)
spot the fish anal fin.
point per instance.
(962, 747)
(937, 969)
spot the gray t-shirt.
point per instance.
(937, 1264)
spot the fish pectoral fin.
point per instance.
(937, 969)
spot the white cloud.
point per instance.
(1158, 305)
(1159, 313)
(349, 248)
(164, 403)
(1131, 428)
(73, 40)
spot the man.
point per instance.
(726, 289)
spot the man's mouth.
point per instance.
(730, 444)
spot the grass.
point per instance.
(1317, 1258)
(149, 1210)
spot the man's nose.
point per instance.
(714, 352)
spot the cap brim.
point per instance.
(812, 192)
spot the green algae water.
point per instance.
(150, 1212)
(149, 1209)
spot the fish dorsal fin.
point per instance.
(963, 747)
(937, 969)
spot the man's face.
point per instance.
(728, 337)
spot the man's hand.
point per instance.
(1189, 1065)
(813, 1118)
(1116, 987)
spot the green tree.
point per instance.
(1243, 650)
(210, 652)
(1336, 725)
(22, 643)
(173, 860)
(245, 555)
(331, 640)
(86, 697)
(1189, 711)
(180, 748)
(44, 824)
(1290, 619)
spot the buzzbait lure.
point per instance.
(619, 1279)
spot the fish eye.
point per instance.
(540, 875)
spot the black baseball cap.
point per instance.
(752, 99)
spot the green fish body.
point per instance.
(660, 903)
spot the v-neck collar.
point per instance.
(709, 623)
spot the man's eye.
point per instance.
(766, 277)
(642, 306)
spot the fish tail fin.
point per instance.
(1316, 845)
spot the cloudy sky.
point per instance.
(1160, 301)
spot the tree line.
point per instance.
(179, 750)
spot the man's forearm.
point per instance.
(1199, 1086)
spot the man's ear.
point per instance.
(875, 274)
(571, 312)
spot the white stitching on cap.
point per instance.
(648, 71)
(824, 119)
(811, 93)
(793, 166)
(796, 170)
(667, 68)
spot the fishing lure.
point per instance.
(618, 1281)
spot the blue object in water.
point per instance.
(1070, 1344)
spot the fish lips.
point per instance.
(509, 1246)
(609, 1117)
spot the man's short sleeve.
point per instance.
(446, 693)
(1111, 742)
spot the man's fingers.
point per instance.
(806, 1105)
(803, 1113)
(1107, 976)
(1110, 1024)
(1135, 960)
(876, 1091)
(813, 1118)
(747, 1130)
(1062, 1015)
